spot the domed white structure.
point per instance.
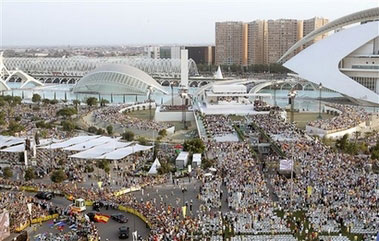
(117, 79)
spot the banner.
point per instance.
(134, 212)
(309, 191)
(184, 210)
(135, 236)
(285, 165)
(99, 184)
(30, 208)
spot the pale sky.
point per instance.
(115, 22)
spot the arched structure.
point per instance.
(25, 78)
(7, 75)
(362, 16)
(80, 66)
(3, 85)
(117, 79)
(322, 62)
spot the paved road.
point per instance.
(106, 230)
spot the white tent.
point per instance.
(154, 167)
(124, 152)
(218, 74)
(97, 151)
(10, 140)
(18, 148)
(70, 142)
(89, 144)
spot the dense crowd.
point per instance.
(349, 116)
(333, 187)
(112, 115)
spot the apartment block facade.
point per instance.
(260, 41)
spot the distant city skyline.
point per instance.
(62, 23)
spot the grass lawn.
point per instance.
(301, 118)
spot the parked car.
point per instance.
(123, 232)
(44, 195)
(119, 217)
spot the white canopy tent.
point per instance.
(17, 148)
(70, 142)
(90, 143)
(10, 140)
(154, 168)
(124, 152)
(97, 151)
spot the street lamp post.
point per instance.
(275, 87)
(292, 96)
(172, 93)
(149, 95)
(319, 102)
(184, 96)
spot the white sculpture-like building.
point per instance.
(6, 75)
(117, 79)
(346, 61)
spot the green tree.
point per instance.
(162, 133)
(68, 125)
(128, 135)
(142, 140)
(104, 102)
(100, 131)
(67, 112)
(195, 145)
(92, 129)
(166, 167)
(36, 98)
(7, 172)
(375, 155)
(110, 130)
(343, 142)
(91, 101)
(58, 176)
(46, 101)
(76, 102)
(29, 174)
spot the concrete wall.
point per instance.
(172, 116)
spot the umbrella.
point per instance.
(207, 174)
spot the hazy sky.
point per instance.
(82, 22)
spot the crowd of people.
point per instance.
(348, 117)
(334, 188)
(112, 115)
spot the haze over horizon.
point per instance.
(82, 22)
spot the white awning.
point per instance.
(97, 151)
(18, 148)
(89, 144)
(124, 152)
(70, 142)
(10, 140)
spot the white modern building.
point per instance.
(346, 61)
(117, 79)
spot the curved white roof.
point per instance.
(79, 65)
(365, 15)
(319, 62)
(117, 79)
